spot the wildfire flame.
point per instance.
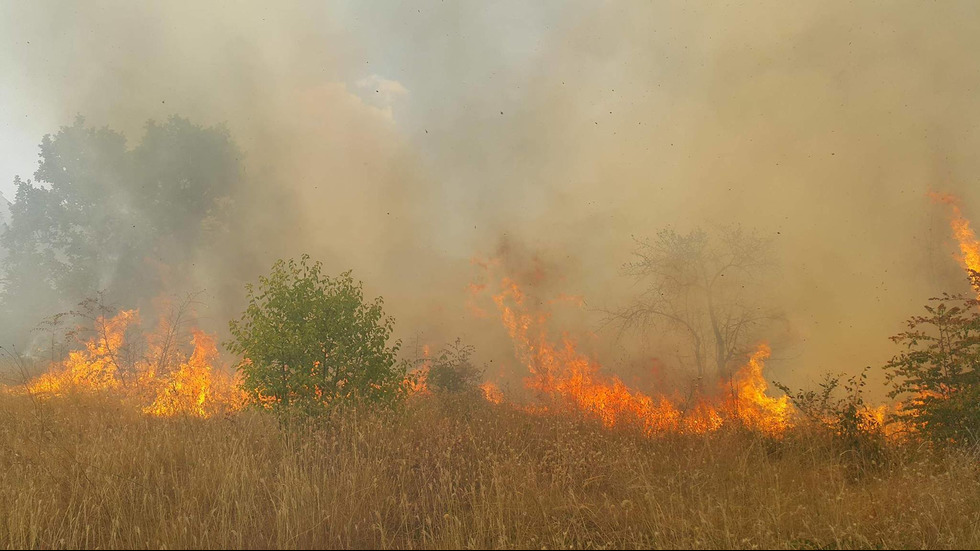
(566, 378)
(196, 387)
(167, 381)
(965, 237)
(492, 393)
(94, 367)
(416, 383)
(753, 406)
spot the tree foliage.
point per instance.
(101, 216)
(308, 340)
(938, 372)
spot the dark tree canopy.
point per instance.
(101, 216)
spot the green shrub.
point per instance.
(937, 374)
(453, 372)
(838, 405)
(308, 341)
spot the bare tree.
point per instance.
(704, 288)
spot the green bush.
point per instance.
(937, 374)
(453, 372)
(838, 405)
(308, 341)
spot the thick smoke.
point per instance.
(400, 141)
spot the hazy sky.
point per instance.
(425, 56)
(432, 130)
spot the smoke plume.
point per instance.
(402, 141)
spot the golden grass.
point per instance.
(88, 473)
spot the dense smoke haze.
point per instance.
(404, 141)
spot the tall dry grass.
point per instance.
(84, 472)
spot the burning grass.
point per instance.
(156, 450)
(170, 378)
(84, 470)
(566, 377)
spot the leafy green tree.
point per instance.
(101, 216)
(309, 340)
(938, 372)
(453, 372)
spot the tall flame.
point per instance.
(95, 366)
(416, 383)
(195, 387)
(962, 232)
(753, 406)
(566, 378)
(167, 380)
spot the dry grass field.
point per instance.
(84, 472)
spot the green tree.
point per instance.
(308, 340)
(100, 216)
(938, 372)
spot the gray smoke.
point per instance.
(400, 141)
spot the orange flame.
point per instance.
(567, 378)
(492, 393)
(416, 383)
(94, 367)
(752, 405)
(195, 387)
(167, 380)
(965, 237)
